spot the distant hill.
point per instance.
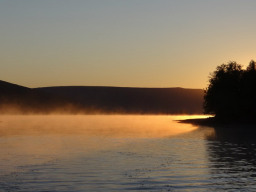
(19, 99)
(12, 93)
(95, 99)
(12, 89)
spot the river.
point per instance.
(71, 153)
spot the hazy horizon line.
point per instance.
(114, 86)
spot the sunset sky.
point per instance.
(134, 43)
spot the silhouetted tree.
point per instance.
(248, 89)
(231, 93)
(222, 97)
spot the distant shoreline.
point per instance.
(89, 99)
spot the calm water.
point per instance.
(122, 153)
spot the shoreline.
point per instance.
(225, 125)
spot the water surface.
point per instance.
(121, 153)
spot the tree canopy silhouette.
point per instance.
(231, 93)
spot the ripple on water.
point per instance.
(51, 160)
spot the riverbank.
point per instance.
(216, 123)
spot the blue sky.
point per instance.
(142, 43)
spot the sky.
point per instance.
(125, 43)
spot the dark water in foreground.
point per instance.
(122, 153)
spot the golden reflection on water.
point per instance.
(183, 117)
(35, 139)
(131, 152)
(135, 126)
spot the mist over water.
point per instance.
(97, 125)
(118, 153)
(28, 136)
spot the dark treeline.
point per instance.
(231, 94)
(87, 99)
